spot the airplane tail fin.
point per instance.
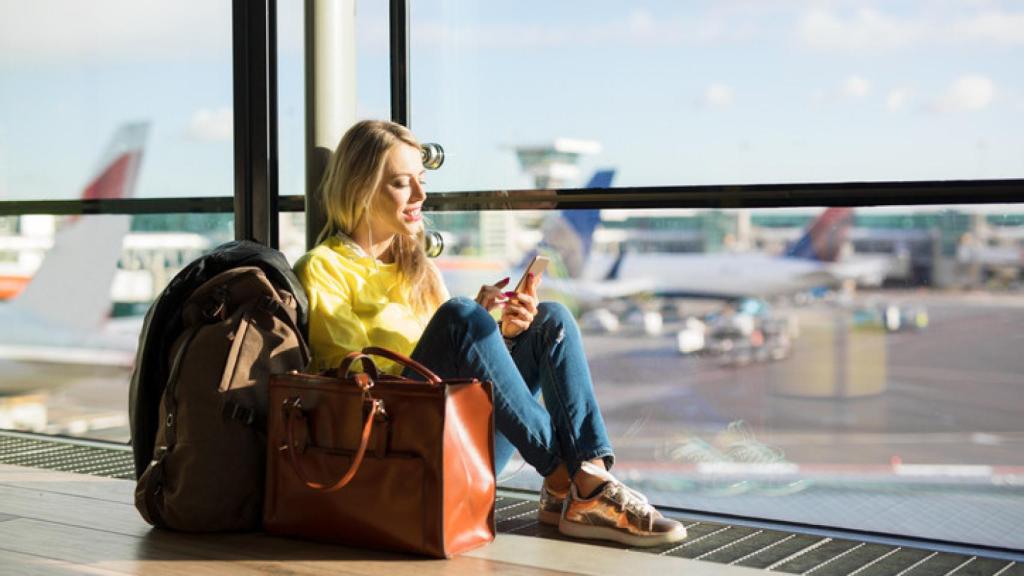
(584, 222)
(571, 233)
(825, 237)
(72, 286)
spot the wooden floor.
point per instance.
(62, 523)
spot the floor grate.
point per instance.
(773, 550)
(66, 456)
(781, 551)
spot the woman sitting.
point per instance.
(370, 284)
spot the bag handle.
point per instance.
(403, 360)
(368, 366)
(293, 406)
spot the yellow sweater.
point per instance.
(355, 302)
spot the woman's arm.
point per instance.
(334, 328)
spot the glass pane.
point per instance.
(75, 71)
(373, 61)
(291, 102)
(292, 234)
(66, 353)
(833, 367)
(710, 92)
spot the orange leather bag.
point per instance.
(380, 461)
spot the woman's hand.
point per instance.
(491, 296)
(520, 309)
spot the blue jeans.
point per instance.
(462, 340)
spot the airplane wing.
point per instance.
(590, 292)
(865, 270)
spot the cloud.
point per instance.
(896, 99)
(629, 28)
(212, 125)
(995, 27)
(967, 93)
(46, 31)
(856, 87)
(866, 30)
(718, 96)
(873, 30)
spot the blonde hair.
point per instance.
(349, 188)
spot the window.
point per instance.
(869, 382)
(691, 93)
(72, 73)
(848, 393)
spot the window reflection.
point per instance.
(792, 363)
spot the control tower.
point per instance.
(553, 164)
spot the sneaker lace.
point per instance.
(632, 501)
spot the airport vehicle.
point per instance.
(57, 328)
(741, 332)
(891, 317)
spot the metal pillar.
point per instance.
(330, 54)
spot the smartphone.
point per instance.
(536, 267)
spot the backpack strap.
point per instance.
(233, 410)
(170, 392)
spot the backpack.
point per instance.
(163, 325)
(206, 472)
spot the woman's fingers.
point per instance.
(523, 299)
(528, 301)
(512, 326)
(517, 312)
(490, 296)
(532, 284)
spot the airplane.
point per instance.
(813, 261)
(56, 329)
(585, 278)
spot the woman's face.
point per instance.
(397, 206)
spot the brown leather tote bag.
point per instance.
(379, 461)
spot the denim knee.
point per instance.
(555, 315)
(466, 316)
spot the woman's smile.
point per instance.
(413, 214)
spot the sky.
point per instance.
(677, 93)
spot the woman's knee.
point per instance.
(464, 313)
(556, 313)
